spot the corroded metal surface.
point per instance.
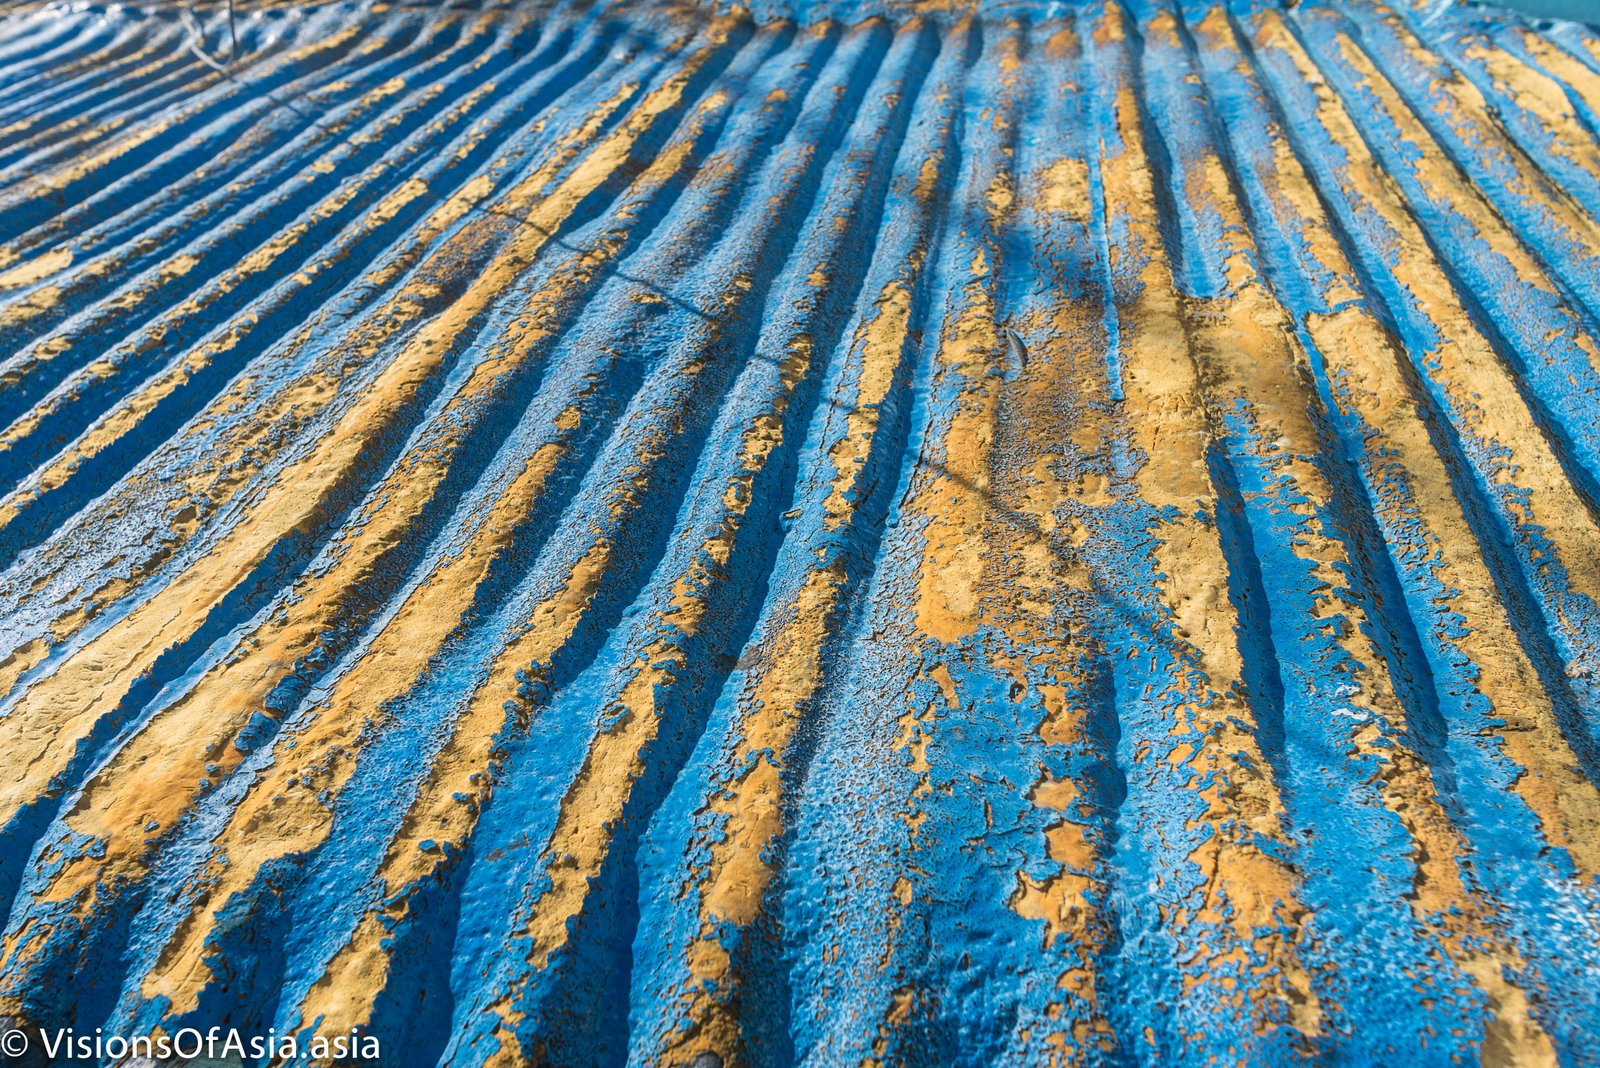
(1046, 534)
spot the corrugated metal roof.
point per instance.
(1052, 533)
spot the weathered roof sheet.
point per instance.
(590, 532)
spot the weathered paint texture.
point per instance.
(1052, 533)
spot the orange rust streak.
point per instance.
(595, 803)
(285, 813)
(1249, 892)
(1566, 803)
(48, 721)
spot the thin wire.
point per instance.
(197, 39)
(196, 42)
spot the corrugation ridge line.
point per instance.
(1291, 271)
(166, 153)
(363, 339)
(374, 230)
(1198, 278)
(429, 289)
(129, 94)
(1447, 644)
(155, 288)
(1206, 260)
(40, 65)
(65, 280)
(420, 448)
(132, 116)
(168, 391)
(1234, 257)
(82, 395)
(122, 209)
(145, 92)
(1558, 235)
(483, 596)
(1570, 38)
(117, 127)
(1047, 647)
(81, 79)
(1512, 84)
(862, 947)
(1586, 98)
(859, 183)
(682, 395)
(909, 383)
(133, 39)
(685, 623)
(1477, 502)
(1349, 809)
(21, 48)
(596, 376)
(253, 563)
(1208, 862)
(533, 390)
(1544, 397)
(410, 902)
(1538, 588)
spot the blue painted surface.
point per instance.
(589, 534)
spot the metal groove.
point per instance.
(584, 533)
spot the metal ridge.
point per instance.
(579, 533)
